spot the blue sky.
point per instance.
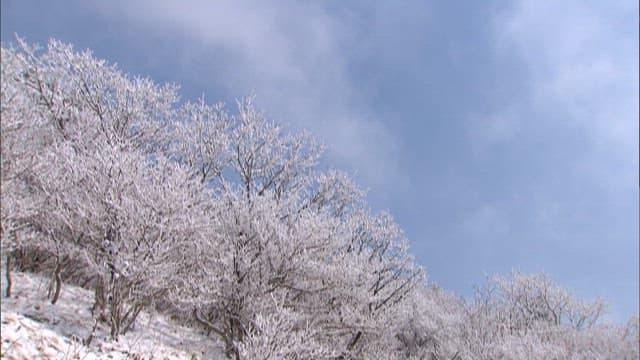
(501, 134)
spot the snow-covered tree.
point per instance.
(200, 140)
(80, 152)
(283, 227)
(529, 315)
(228, 221)
(126, 219)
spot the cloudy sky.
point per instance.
(501, 134)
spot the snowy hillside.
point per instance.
(32, 328)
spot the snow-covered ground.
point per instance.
(32, 328)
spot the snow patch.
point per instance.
(33, 328)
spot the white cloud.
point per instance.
(293, 56)
(579, 88)
(582, 62)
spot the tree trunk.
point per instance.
(99, 308)
(8, 275)
(88, 340)
(58, 283)
(55, 283)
